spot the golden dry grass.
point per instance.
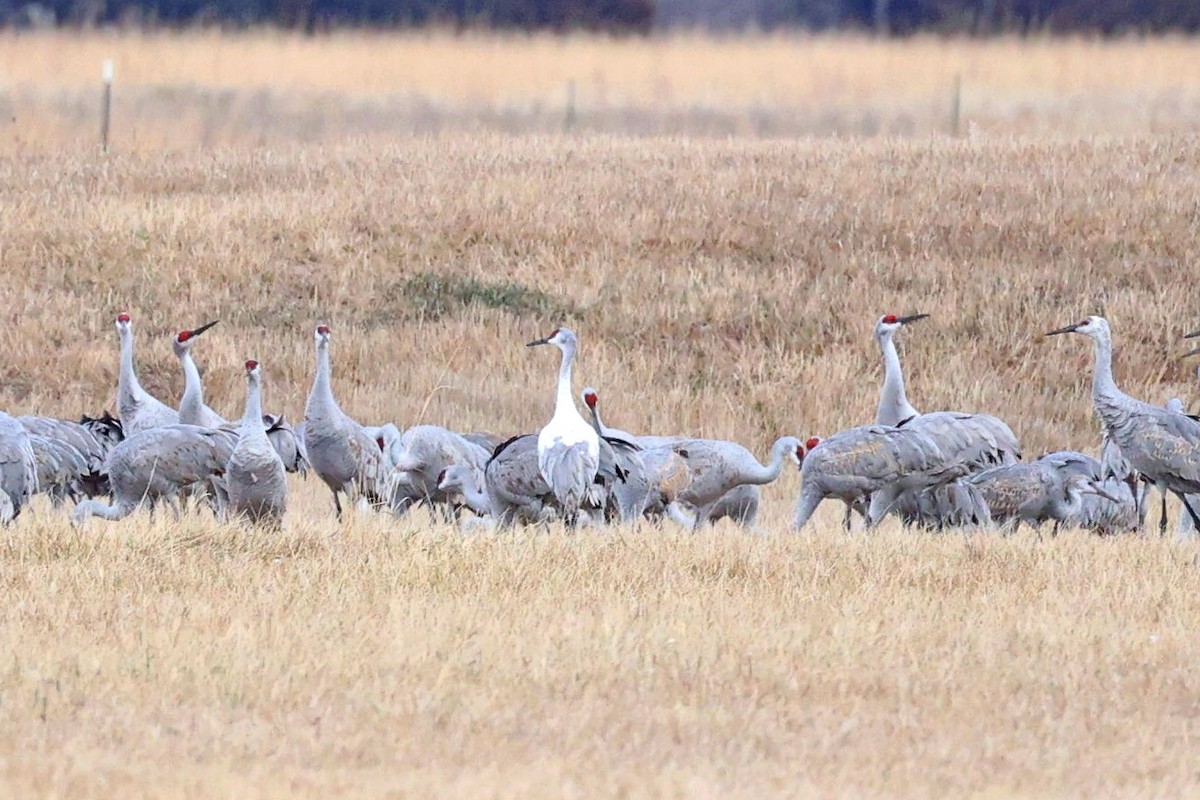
(720, 288)
(178, 91)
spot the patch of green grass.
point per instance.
(432, 296)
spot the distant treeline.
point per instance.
(978, 17)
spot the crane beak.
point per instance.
(204, 327)
(1191, 335)
(911, 318)
(1096, 490)
(539, 341)
(1195, 352)
(1068, 329)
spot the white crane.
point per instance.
(340, 450)
(192, 410)
(1163, 446)
(18, 469)
(876, 461)
(139, 410)
(568, 447)
(255, 480)
(156, 465)
(718, 466)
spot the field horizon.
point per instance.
(723, 287)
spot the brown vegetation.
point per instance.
(720, 288)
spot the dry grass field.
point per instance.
(720, 287)
(185, 90)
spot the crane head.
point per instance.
(811, 443)
(184, 336)
(590, 398)
(251, 365)
(890, 323)
(322, 334)
(1095, 327)
(560, 337)
(124, 322)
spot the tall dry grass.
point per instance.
(178, 91)
(720, 288)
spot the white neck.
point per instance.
(893, 402)
(564, 401)
(476, 500)
(192, 402)
(760, 474)
(128, 383)
(252, 420)
(1103, 384)
(321, 396)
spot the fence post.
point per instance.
(956, 106)
(106, 103)
(569, 120)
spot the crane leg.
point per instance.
(337, 505)
(1191, 511)
(1162, 520)
(846, 519)
(804, 509)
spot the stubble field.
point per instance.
(724, 288)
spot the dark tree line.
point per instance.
(884, 16)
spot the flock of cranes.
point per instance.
(941, 469)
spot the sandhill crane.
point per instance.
(70, 457)
(633, 493)
(1163, 446)
(893, 402)
(1034, 493)
(156, 465)
(105, 428)
(340, 451)
(957, 504)
(668, 476)
(591, 399)
(878, 461)
(739, 505)
(516, 490)
(1116, 511)
(461, 480)
(18, 469)
(255, 481)
(568, 447)
(139, 410)
(425, 451)
(718, 466)
(192, 410)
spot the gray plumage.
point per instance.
(192, 410)
(18, 468)
(1032, 493)
(740, 505)
(138, 409)
(517, 493)
(632, 494)
(957, 504)
(871, 460)
(156, 465)
(70, 457)
(425, 451)
(1163, 446)
(255, 480)
(340, 451)
(717, 466)
(462, 481)
(1115, 513)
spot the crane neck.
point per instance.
(252, 420)
(192, 402)
(128, 382)
(1103, 383)
(476, 499)
(893, 402)
(766, 473)
(564, 401)
(322, 390)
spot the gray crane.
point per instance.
(591, 399)
(157, 465)
(1034, 493)
(459, 480)
(633, 494)
(876, 461)
(717, 466)
(18, 469)
(426, 451)
(255, 480)
(1163, 446)
(192, 410)
(893, 402)
(61, 469)
(70, 457)
(1186, 528)
(956, 504)
(339, 449)
(740, 505)
(568, 447)
(139, 410)
(1115, 511)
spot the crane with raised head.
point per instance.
(255, 480)
(192, 410)
(138, 409)
(1163, 446)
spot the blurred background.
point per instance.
(195, 73)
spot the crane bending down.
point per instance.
(1116, 511)
(1035, 493)
(156, 465)
(568, 447)
(340, 450)
(139, 410)
(1163, 446)
(255, 479)
(424, 452)
(719, 466)
(192, 410)
(871, 460)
